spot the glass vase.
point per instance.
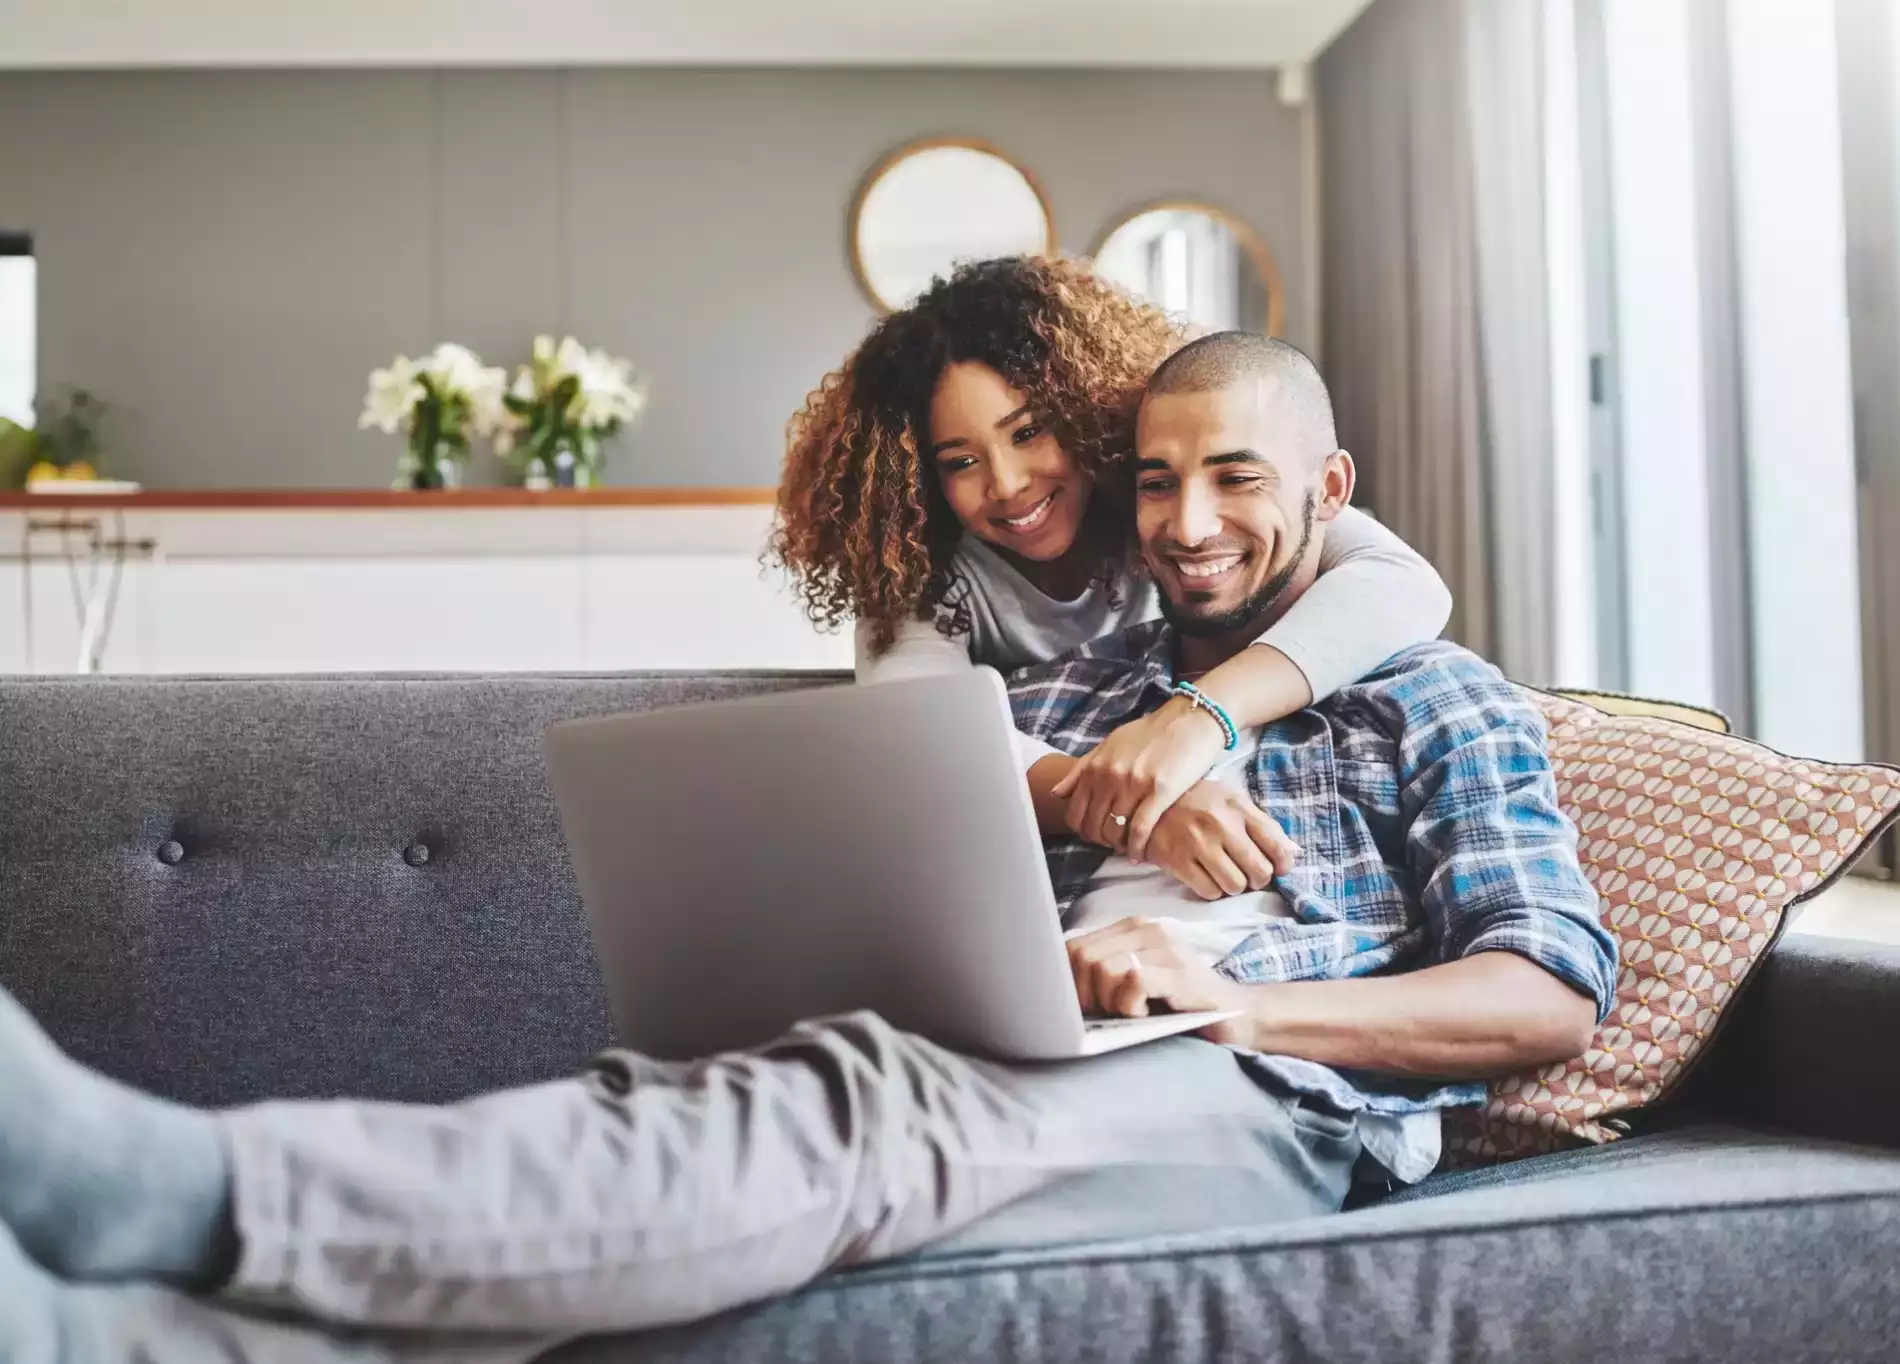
(574, 470)
(438, 475)
(429, 466)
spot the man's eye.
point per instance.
(1240, 480)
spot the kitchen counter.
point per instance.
(384, 499)
(265, 581)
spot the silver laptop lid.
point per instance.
(747, 864)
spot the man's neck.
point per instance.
(1197, 654)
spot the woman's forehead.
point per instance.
(971, 390)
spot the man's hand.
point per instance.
(1216, 842)
(1139, 771)
(1120, 968)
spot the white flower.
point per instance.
(570, 357)
(608, 394)
(486, 412)
(393, 395)
(459, 372)
(454, 372)
(457, 366)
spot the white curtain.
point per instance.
(1435, 320)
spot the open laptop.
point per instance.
(747, 864)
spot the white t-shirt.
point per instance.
(1121, 889)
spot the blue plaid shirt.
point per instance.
(1423, 803)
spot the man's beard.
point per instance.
(1258, 603)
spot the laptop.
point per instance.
(747, 864)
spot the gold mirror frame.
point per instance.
(891, 159)
(1258, 252)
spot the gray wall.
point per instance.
(225, 255)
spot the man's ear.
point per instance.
(1337, 477)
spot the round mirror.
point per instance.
(931, 205)
(1197, 262)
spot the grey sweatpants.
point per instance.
(645, 1193)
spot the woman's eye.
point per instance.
(1026, 433)
(1152, 486)
(957, 465)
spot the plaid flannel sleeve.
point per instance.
(1044, 701)
(1494, 855)
(1073, 702)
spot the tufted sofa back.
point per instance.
(224, 889)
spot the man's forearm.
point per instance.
(1486, 1015)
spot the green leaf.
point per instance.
(19, 451)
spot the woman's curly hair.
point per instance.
(862, 524)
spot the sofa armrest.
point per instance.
(1813, 1046)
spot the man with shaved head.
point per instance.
(1434, 930)
(1260, 406)
(1436, 924)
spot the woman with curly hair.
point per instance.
(950, 487)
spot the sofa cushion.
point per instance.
(1705, 1244)
(229, 889)
(1621, 703)
(1699, 843)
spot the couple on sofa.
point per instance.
(1264, 791)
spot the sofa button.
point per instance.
(415, 854)
(171, 852)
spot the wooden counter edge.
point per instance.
(383, 499)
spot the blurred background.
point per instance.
(1606, 289)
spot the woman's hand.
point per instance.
(1137, 773)
(1217, 842)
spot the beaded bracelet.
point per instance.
(1200, 700)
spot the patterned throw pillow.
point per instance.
(1699, 844)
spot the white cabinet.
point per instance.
(378, 591)
(42, 615)
(698, 611)
(362, 615)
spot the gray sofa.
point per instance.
(226, 889)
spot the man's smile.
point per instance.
(1210, 570)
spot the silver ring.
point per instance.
(1119, 819)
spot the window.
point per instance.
(19, 293)
(1706, 171)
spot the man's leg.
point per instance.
(648, 1193)
(645, 1193)
(44, 1320)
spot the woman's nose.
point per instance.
(1009, 475)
